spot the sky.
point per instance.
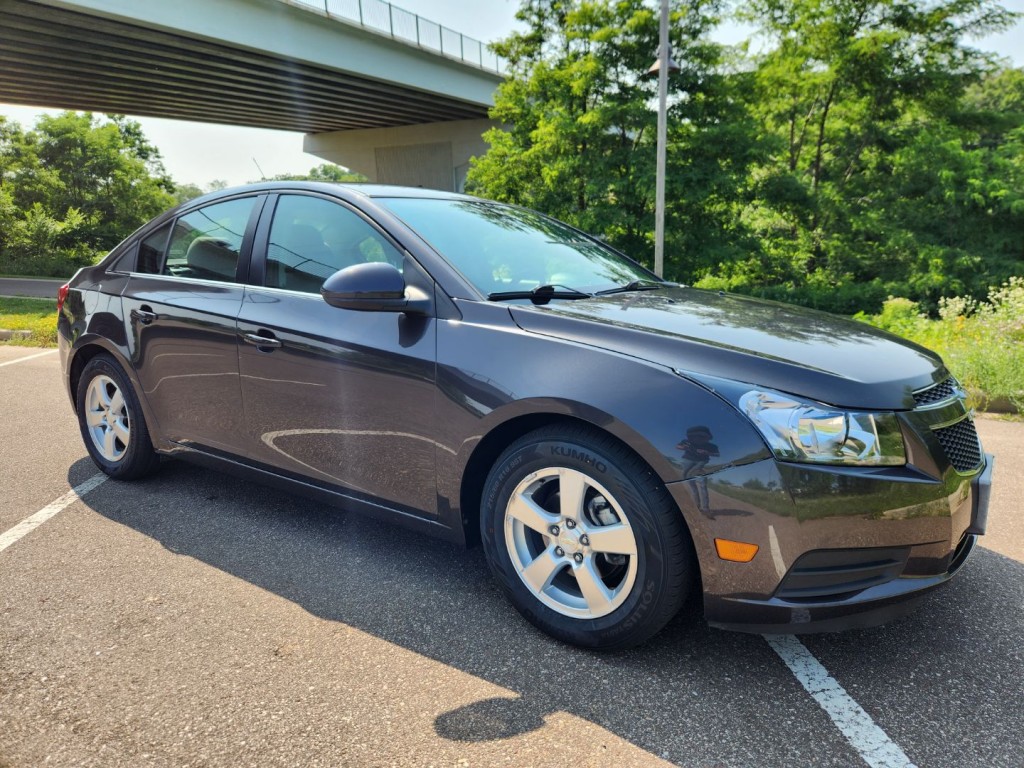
(230, 153)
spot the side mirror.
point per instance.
(375, 286)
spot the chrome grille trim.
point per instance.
(938, 394)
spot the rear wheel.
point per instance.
(584, 538)
(111, 422)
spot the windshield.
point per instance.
(500, 249)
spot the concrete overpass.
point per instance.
(375, 88)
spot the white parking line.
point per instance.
(871, 742)
(28, 357)
(32, 522)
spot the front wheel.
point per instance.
(584, 539)
(110, 419)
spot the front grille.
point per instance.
(960, 442)
(944, 390)
(834, 574)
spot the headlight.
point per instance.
(812, 432)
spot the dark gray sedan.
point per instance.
(483, 373)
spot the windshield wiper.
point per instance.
(542, 294)
(635, 285)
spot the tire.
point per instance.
(605, 569)
(111, 421)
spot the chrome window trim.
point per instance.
(177, 279)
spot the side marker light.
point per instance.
(736, 551)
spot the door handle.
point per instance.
(261, 341)
(144, 316)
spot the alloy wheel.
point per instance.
(106, 418)
(571, 543)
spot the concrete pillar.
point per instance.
(430, 155)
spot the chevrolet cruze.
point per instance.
(486, 374)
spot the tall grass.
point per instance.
(39, 316)
(982, 342)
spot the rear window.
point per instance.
(151, 251)
(204, 244)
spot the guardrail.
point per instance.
(400, 24)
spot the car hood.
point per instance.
(791, 349)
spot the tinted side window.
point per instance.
(205, 243)
(312, 238)
(126, 261)
(151, 251)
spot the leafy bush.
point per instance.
(72, 188)
(39, 243)
(982, 342)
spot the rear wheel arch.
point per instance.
(111, 418)
(81, 359)
(85, 353)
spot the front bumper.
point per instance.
(838, 548)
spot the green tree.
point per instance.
(863, 150)
(322, 172)
(74, 187)
(877, 183)
(187, 191)
(577, 140)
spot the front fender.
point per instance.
(679, 428)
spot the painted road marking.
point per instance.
(28, 357)
(32, 522)
(773, 545)
(871, 742)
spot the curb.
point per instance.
(991, 404)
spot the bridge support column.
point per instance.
(430, 155)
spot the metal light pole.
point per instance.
(659, 184)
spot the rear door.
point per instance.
(181, 305)
(342, 397)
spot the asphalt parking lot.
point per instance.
(196, 620)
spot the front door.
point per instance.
(342, 397)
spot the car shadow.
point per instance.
(676, 697)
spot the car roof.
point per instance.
(394, 190)
(364, 189)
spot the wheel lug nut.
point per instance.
(585, 540)
(553, 530)
(570, 523)
(578, 557)
(559, 551)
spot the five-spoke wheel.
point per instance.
(584, 538)
(107, 418)
(111, 421)
(570, 542)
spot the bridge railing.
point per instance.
(408, 27)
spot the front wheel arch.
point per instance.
(494, 443)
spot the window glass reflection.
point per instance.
(312, 238)
(206, 243)
(499, 248)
